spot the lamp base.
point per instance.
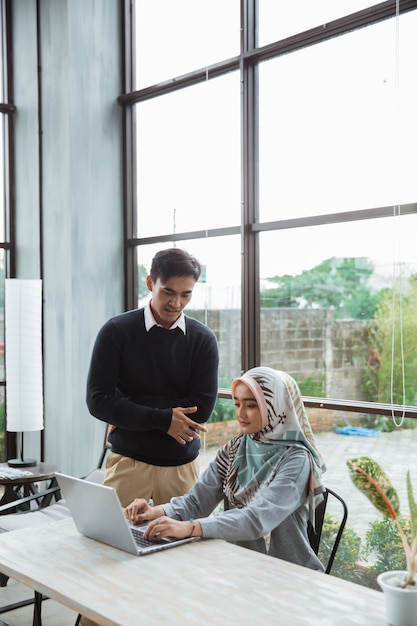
(22, 462)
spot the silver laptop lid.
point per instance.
(98, 514)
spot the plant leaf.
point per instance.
(369, 478)
(412, 506)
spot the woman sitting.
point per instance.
(269, 476)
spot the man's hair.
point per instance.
(174, 262)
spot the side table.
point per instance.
(26, 484)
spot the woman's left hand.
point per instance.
(167, 527)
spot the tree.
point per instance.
(142, 288)
(393, 338)
(338, 284)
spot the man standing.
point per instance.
(153, 378)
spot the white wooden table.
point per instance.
(204, 583)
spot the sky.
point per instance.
(337, 133)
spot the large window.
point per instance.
(278, 145)
(216, 297)
(336, 126)
(183, 186)
(174, 38)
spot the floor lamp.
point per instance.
(23, 360)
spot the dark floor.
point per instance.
(53, 614)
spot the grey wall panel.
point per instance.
(26, 140)
(82, 248)
(28, 260)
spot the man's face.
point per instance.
(169, 299)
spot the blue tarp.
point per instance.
(359, 431)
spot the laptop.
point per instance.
(98, 514)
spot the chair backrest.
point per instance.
(106, 448)
(314, 534)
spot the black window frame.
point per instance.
(246, 63)
(8, 109)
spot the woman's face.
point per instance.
(247, 410)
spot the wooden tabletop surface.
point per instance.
(204, 583)
(40, 471)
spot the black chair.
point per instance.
(314, 534)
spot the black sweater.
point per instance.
(136, 378)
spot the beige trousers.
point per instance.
(134, 479)
(85, 621)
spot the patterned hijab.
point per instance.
(249, 462)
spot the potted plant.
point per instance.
(399, 587)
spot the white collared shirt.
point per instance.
(150, 321)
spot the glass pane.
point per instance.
(2, 428)
(333, 301)
(2, 403)
(174, 38)
(2, 277)
(395, 450)
(4, 192)
(189, 159)
(338, 128)
(216, 297)
(3, 90)
(278, 20)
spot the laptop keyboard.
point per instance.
(140, 540)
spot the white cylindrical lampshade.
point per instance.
(23, 355)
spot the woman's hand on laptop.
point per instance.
(140, 511)
(159, 525)
(172, 528)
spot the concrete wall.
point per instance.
(307, 343)
(69, 200)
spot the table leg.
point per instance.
(3, 580)
(37, 609)
(10, 494)
(43, 500)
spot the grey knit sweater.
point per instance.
(279, 509)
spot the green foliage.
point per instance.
(369, 478)
(372, 364)
(385, 423)
(393, 336)
(361, 562)
(383, 546)
(223, 411)
(142, 288)
(347, 556)
(412, 506)
(338, 284)
(312, 386)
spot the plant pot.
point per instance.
(401, 604)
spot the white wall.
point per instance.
(69, 201)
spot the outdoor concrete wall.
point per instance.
(307, 343)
